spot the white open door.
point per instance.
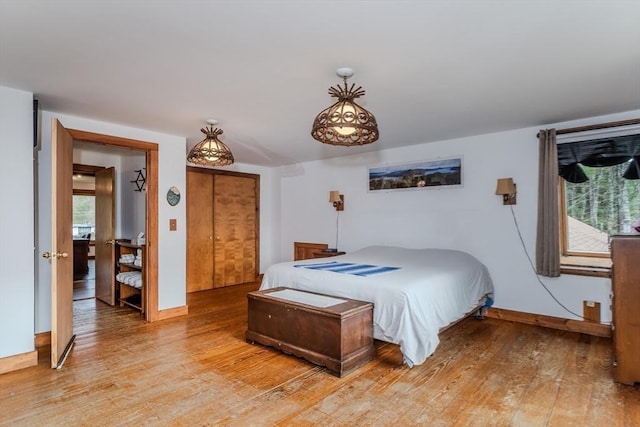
(61, 255)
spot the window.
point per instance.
(600, 192)
(84, 215)
(604, 205)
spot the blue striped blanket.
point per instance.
(348, 268)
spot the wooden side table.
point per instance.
(327, 254)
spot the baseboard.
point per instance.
(173, 312)
(580, 326)
(43, 339)
(18, 361)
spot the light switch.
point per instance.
(173, 224)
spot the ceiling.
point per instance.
(432, 70)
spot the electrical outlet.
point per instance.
(173, 224)
(591, 311)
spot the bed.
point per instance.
(415, 292)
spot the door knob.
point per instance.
(49, 255)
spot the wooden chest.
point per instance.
(328, 331)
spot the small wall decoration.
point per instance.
(140, 180)
(443, 172)
(173, 196)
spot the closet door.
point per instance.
(199, 231)
(235, 219)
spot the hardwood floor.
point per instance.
(198, 370)
(84, 287)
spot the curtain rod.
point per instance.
(593, 127)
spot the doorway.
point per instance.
(62, 139)
(84, 229)
(62, 332)
(149, 150)
(95, 191)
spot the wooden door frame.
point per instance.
(253, 176)
(152, 154)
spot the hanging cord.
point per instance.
(533, 268)
(337, 225)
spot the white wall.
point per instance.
(133, 207)
(16, 222)
(471, 218)
(294, 207)
(171, 244)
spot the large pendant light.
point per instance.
(345, 122)
(211, 151)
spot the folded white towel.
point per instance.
(136, 282)
(131, 278)
(127, 258)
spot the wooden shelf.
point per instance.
(130, 266)
(130, 295)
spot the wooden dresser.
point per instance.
(80, 257)
(625, 283)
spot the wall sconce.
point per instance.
(338, 202)
(337, 199)
(507, 189)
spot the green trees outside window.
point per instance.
(607, 202)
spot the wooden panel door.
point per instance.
(105, 235)
(62, 336)
(199, 231)
(234, 225)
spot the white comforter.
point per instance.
(433, 288)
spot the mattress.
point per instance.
(415, 292)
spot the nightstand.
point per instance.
(327, 254)
(303, 250)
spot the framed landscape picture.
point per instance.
(441, 172)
